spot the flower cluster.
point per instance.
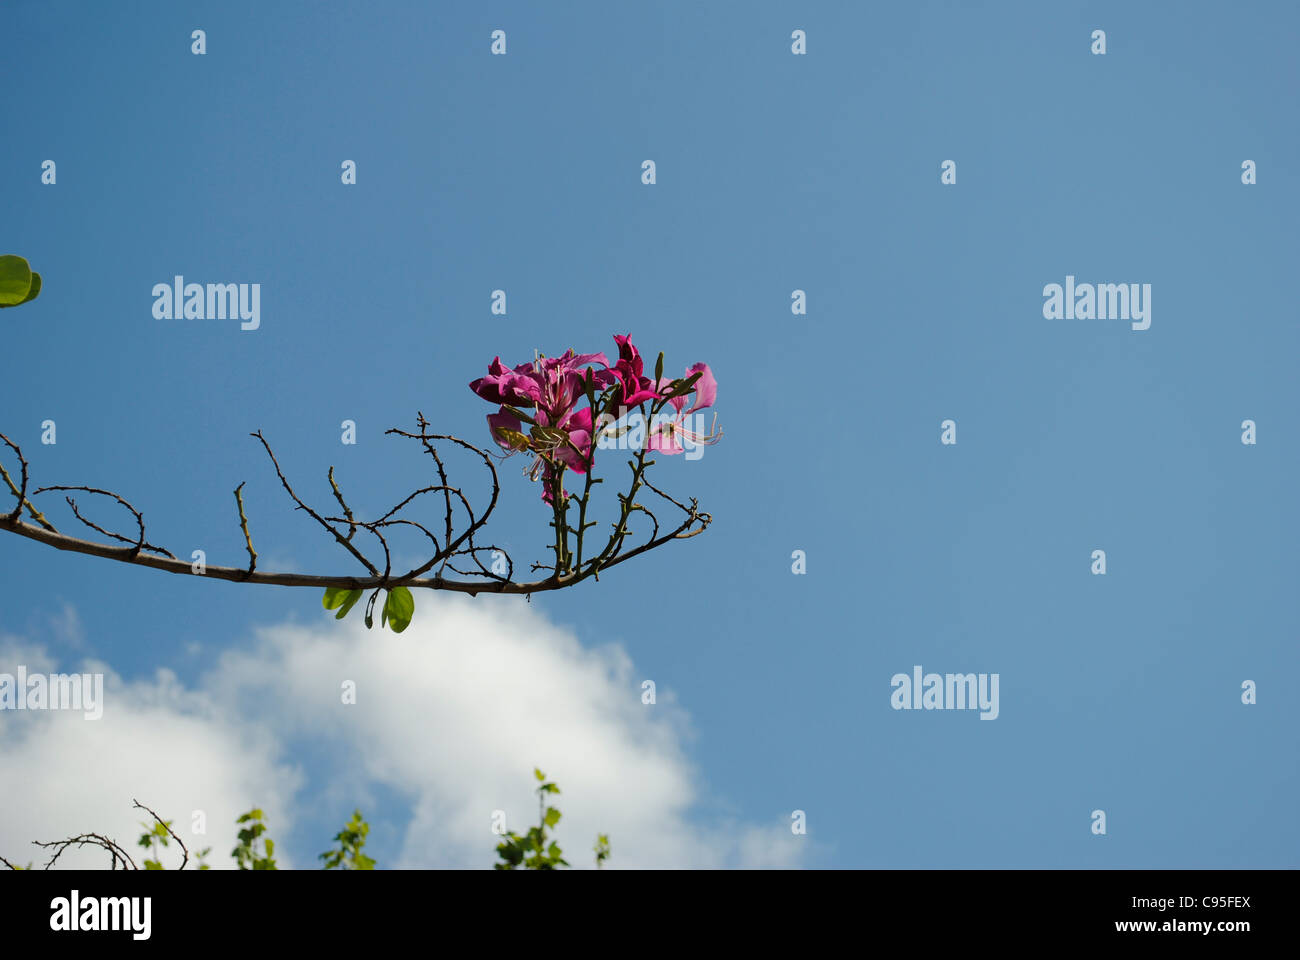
(547, 392)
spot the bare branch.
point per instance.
(138, 543)
(21, 492)
(347, 511)
(446, 552)
(116, 854)
(312, 513)
(243, 524)
(185, 853)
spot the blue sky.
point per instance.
(775, 172)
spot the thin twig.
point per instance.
(347, 511)
(185, 853)
(312, 513)
(138, 543)
(563, 573)
(115, 851)
(243, 524)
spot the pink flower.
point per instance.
(568, 444)
(517, 387)
(562, 382)
(634, 388)
(666, 435)
(571, 448)
(502, 425)
(552, 384)
(561, 436)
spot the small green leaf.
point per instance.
(15, 280)
(538, 774)
(514, 438)
(518, 413)
(35, 290)
(334, 597)
(548, 436)
(399, 608)
(659, 367)
(552, 817)
(679, 388)
(351, 601)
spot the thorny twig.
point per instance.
(460, 525)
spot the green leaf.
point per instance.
(15, 280)
(518, 413)
(351, 601)
(659, 367)
(548, 436)
(35, 290)
(334, 597)
(679, 388)
(552, 817)
(399, 608)
(538, 774)
(514, 438)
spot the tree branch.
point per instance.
(453, 545)
(185, 853)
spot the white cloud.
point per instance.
(451, 715)
(173, 750)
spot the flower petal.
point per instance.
(626, 351)
(706, 388)
(663, 439)
(504, 420)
